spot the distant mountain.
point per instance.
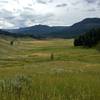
(44, 31)
(40, 31)
(84, 26)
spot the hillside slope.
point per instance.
(5, 48)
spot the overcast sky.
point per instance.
(22, 13)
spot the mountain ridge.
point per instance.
(45, 31)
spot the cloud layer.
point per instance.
(23, 13)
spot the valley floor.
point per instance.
(28, 72)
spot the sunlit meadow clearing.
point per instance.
(27, 71)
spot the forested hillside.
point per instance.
(89, 39)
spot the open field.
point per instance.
(27, 71)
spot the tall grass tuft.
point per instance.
(19, 88)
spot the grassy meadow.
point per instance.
(27, 71)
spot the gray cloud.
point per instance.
(91, 10)
(25, 19)
(34, 18)
(50, 12)
(28, 9)
(3, 1)
(91, 1)
(61, 5)
(75, 3)
(22, 18)
(6, 14)
(44, 1)
(99, 3)
(41, 1)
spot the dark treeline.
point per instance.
(89, 39)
